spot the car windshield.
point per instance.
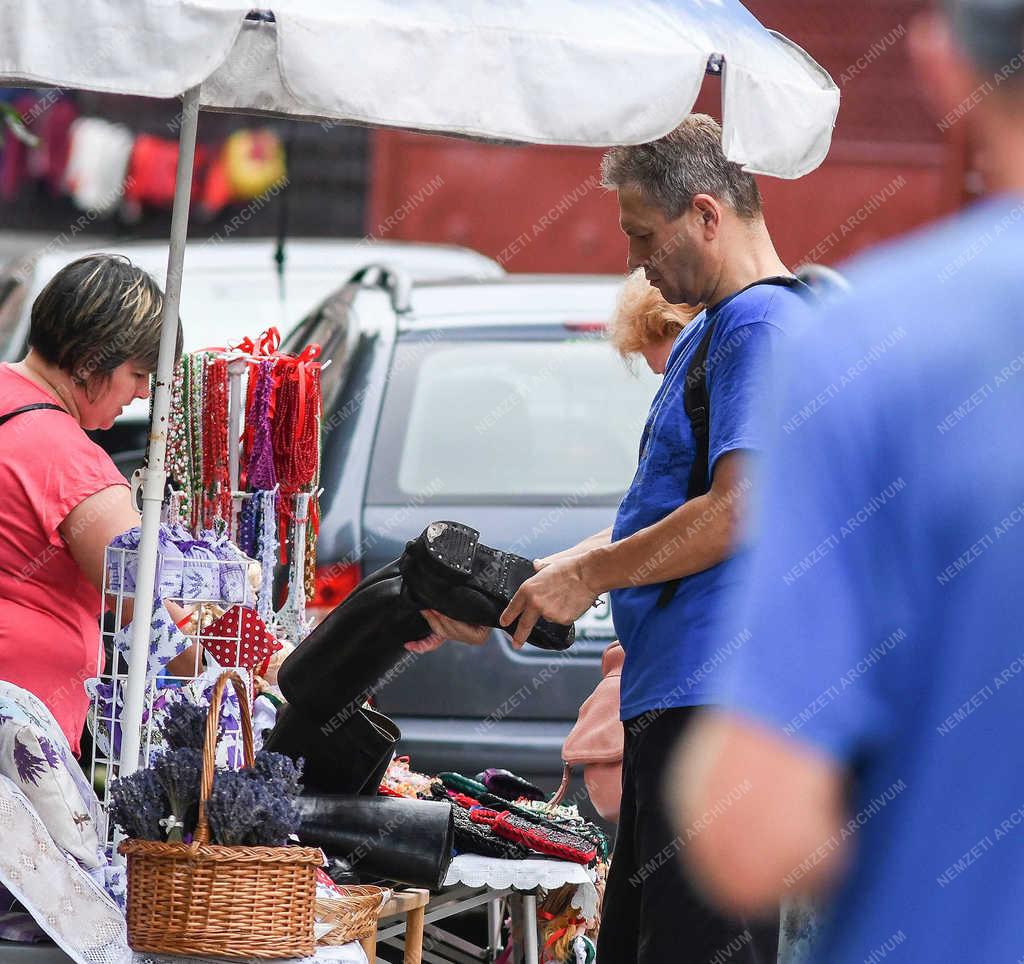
(220, 312)
(525, 419)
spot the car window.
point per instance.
(509, 421)
(12, 298)
(326, 326)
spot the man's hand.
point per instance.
(792, 808)
(443, 628)
(557, 592)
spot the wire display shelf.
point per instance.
(189, 648)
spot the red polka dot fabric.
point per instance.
(239, 638)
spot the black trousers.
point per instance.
(652, 914)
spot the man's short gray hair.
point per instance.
(675, 168)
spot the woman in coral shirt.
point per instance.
(94, 340)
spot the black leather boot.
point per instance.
(362, 642)
(334, 669)
(448, 569)
(348, 755)
(398, 839)
(363, 639)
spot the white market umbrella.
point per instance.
(570, 72)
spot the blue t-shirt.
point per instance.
(886, 597)
(672, 652)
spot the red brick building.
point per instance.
(541, 209)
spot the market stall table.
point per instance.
(473, 881)
(409, 903)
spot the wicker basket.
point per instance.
(204, 899)
(354, 914)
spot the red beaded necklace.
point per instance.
(216, 479)
(296, 426)
(296, 436)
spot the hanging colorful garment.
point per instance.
(49, 159)
(97, 164)
(152, 169)
(254, 162)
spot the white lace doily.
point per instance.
(476, 871)
(74, 911)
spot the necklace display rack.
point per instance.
(208, 403)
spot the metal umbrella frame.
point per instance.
(779, 107)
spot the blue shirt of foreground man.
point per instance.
(869, 746)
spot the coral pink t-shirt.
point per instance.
(49, 611)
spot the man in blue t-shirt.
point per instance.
(694, 223)
(874, 711)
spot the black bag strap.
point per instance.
(697, 402)
(38, 406)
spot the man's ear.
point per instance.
(708, 215)
(947, 75)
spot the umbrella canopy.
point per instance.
(559, 72)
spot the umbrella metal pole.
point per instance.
(155, 475)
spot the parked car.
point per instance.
(230, 290)
(495, 402)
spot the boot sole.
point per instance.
(456, 549)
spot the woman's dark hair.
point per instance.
(95, 314)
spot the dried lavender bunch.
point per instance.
(138, 803)
(179, 772)
(246, 809)
(231, 808)
(277, 819)
(184, 726)
(280, 770)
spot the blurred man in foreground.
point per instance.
(868, 737)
